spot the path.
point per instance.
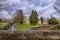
(13, 28)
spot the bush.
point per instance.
(57, 27)
(53, 21)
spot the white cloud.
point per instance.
(14, 1)
(5, 15)
(31, 6)
(49, 10)
(38, 8)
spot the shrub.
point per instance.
(53, 21)
(57, 27)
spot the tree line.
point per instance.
(33, 18)
(19, 17)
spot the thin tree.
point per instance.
(42, 19)
(0, 21)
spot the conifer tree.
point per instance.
(33, 17)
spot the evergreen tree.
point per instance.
(33, 17)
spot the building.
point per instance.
(26, 21)
(44, 22)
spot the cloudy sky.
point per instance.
(43, 7)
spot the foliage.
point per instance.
(33, 17)
(42, 19)
(0, 20)
(57, 27)
(53, 21)
(19, 17)
(2, 25)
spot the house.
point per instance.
(26, 21)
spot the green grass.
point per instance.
(23, 26)
(2, 25)
(26, 26)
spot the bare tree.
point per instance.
(57, 6)
(5, 6)
(19, 18)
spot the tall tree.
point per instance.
(33, 17)
(42, 19)
(19, 17)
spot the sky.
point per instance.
(43, 7)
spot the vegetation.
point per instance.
(53, 21)
(19, 17)
(22, 26)
(57, 27)
(26, 26)
(0, 21)
(42, 19)
(2, 25)
(33, 17)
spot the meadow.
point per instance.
(23, 26)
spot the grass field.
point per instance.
(24, 26)
(2, 25)
(28, 26)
